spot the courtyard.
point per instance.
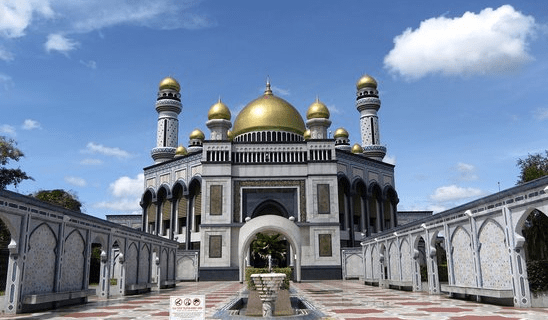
(336, 299)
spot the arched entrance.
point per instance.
(269, 224)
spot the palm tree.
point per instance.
(266, 245)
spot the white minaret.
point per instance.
(318, 120)
(368, 103)
(168, 106)
(219, 121)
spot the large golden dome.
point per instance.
(366, 82)
(219, 111)
(317, 110)
(169, 83)
(268, 112)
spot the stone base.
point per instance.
(255, 305)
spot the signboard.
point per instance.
(187, 307)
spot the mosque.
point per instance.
(268, 171)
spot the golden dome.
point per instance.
(317, 110)
(306, 134)
(268, 112)
(219, 111)
(170, 83)
(357, 148)
(366, 82)
(230, 135)
(341, 133)
(180, 151)
(197, 134)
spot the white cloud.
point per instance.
(91, 162)
(30, 124)
(17, 15)
(90, 64)
(280, 91)
(454, 193)
(541, 114)
(127, 193)
(466, 172)
(95, 148)
(5, 82)
(491, 41)
(5, 55)
(389, 159)
(7, 129)
(128, 187)
(58, 42)
(75, 181)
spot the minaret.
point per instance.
(318, 120)
(368, 103)
(219, 121)
(168, 106)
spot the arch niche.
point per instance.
(269, 223)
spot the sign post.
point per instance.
(187, 307)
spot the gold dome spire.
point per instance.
(306, 134)
(197, 134)
(341, 133)
(317, 110)
(366, 82)
(219, 111)
(357, 148)
(268, 112)
(169, 83)
(180, 151)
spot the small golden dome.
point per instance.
(306, 134)
(366, 82)
(180, 151)
(219, 111)
(341, 133)
(357, 148)
(317, 110)
(197, 134)
(230, 135)
(268, 112)
(170, 83)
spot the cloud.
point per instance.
(333, 109)
(7, 129)
(75, 181)
(128, 187)
(466, 172)
(58, 42)
(90, 64)
(5, 55)
(280, 91)
(5, 82)
(389, 159)
(454, 193)
(541, 114)
(491, 41)
(17, 15)
(127, 193)
(30, 124)
(94, 148)
(91, 162)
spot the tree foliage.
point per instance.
(60, 198)
(265, 245)
(8, 152)
(533, 167)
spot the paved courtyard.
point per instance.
(336, 299)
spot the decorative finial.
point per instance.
(219, 99)
(268, 90)
(317, 98)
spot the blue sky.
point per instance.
(462, 84)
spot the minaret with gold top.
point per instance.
(318, 120)
(368, 103)
(168, 106)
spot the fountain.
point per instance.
(268, 285)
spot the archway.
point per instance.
(535, 232)
(420, 260)
(5, 238)
(271, 224)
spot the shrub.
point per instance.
(537, 272)
(249, 271)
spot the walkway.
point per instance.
(336, 299)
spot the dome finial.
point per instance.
(268, 90)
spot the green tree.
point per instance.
(264, 245)
(60, 198)
(533, 167)
(8, 152)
